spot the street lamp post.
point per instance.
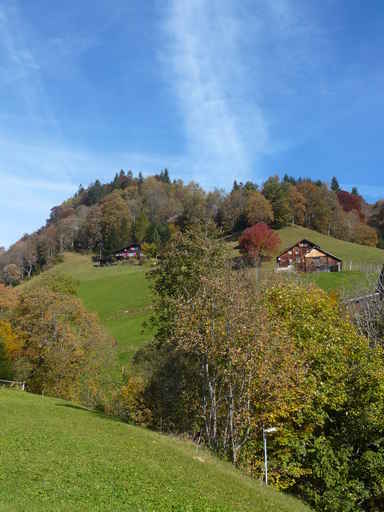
(265, 432)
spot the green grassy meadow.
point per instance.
(359, 255)
(361, 263)
(55, 456)
(119, 294)
(365, 262)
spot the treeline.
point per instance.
(106, 217)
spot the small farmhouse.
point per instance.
(131, 251)
(305, 256)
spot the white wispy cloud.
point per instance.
(237, 69)
(204, 62)
(20, 70)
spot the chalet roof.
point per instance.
(329, 254)
(314, 253)
(315, 247)
(304, 240)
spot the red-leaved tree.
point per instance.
(350, 202)
(258, 241)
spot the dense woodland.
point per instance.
(106, 217)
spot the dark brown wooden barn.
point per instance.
(306, 256)
(131, 251)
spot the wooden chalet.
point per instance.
(306, 256)
(126, 253)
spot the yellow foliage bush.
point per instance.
(132, 406)
(12, 341)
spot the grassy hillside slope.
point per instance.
(57, 457)
(119, 294)
(364, 261)
(347, 251)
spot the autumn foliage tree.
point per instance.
(8, 299)
(115, 222)
(64, 351)
(350, 202)
(258, 208)
(184, 259)
(258, 242)
(245, 370)
(329, 451)
(5, 365)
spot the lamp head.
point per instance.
(270, 430)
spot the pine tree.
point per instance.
(335, 184)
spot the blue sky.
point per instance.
(213, 90)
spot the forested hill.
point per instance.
(105, 217)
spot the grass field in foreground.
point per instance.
(83, 461)
(119, 294)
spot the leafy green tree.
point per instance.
(376, 220)
(277, 194)
(317, 211)
(94, 193)
(233, 212)
(193, 207)
(258, 208)
(140, 227)
(184, 259)
(329, 451)
(90, 235)
(164, 176)
(115, 223)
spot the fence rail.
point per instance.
(13, 384)
(366, 268)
